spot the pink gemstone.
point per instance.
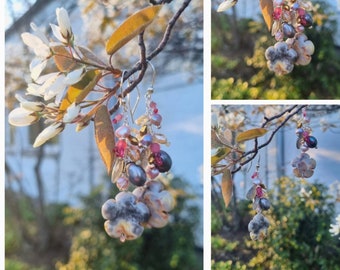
(122, 183)
(153, 105)
(301, 12)
(123, 132)
(155, 147)
(120, 148)
(277, 13)
(117, 118)
(155, 110)
(259, 192)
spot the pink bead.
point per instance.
(277, 13)
(301, 12)
(117, 118)
(259, 192)
(120, 148)
(155, 147)
(153, 105)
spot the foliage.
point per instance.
(239, 68)
(299, 235)
(171, 247)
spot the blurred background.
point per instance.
(54, 193)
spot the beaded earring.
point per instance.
(258, 226)
(303, 164)
(139, 160)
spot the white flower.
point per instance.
(71, 113)
(74, 76)
(63, 32)
(48, 133)
(33, 106)
(40, 48)
(21, 117)
(49, 86)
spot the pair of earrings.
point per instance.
(142, 200)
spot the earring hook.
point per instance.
(154, 73)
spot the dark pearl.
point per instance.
(311, 141)
(162, 161)
(264, 204)
(306, 20)
(136, 174)
(288, 30)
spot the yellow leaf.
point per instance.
(131, 27)
(105, 137)
(77, 92)
(227, 187)
(63, 59)
(221, 153)
(267, 12)
(250, 134)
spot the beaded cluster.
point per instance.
(303, 164)
(290, 19)
(258, 226)
(142, 200)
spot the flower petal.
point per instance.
(74, 76)
(57, 33)
(21, 117)
(48, 133)
(36, 67)
(71, 113)
(64, 22)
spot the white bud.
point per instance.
(21, 117)
(48, 133)
(71, 113)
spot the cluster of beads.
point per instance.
(139, 160)
(290, 18)
(303, 164)
(258, 226)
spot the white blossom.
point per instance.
(62, 31)
(71, 113)
(48, 133)
(33, 106)
(74, 76)
(21, 117)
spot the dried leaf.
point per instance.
(267, 12)
(63, 59)
(131, 27)
(105, 137)
(250, 134)
(89, 56)
(227, 187)
(221, 153)
(80, 90)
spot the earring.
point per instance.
(303, 164)
(258, 226)
(139, 160)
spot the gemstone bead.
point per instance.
(288, 30)
(306, 20)
(147, 139)
(136, 174)
(120, 148)
(123, 132)
(155, 147)
(162, 161)
(311, 141)
(264, 204)
(259, 191)
(277, 13)
(156, 119)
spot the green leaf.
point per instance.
(131, 27)
(227, 187)
(105, 137)
(267, 12)
(250, 134)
